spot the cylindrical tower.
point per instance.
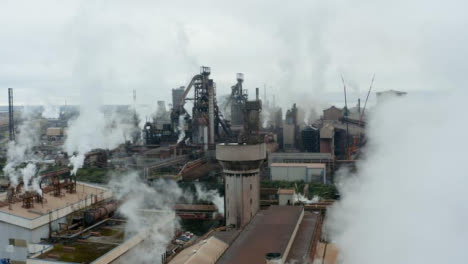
(241, 167)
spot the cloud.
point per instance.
(153, 46)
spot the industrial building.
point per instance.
(24, 223)
(286, 196)
(177, 94)
(300, 157)
(308, 172)
(310, 139)
(332, 113)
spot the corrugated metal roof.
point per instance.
(204, 252)
(269, 231)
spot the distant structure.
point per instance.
(237, 99)
(333, 113)
(11, 121)
(290, 129)
(382, 96)
(310, 139)
(177, 94)
(327, 139)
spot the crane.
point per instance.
(357, 140)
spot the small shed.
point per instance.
(286, 196)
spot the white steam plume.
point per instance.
(21, 150)
(181, 128)
(210, 196)
(407, 201)
(28, 173)
(91, 130)
(298, 197)
(137, 196)
(51, 111)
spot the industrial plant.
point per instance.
(227, 181)
(204, 132)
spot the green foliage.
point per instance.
(97, 175)
(325, 191)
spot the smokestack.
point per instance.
(273, 258)
(256, 93)
(11, 122)
(359, 105)
(211, 116)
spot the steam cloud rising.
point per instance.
(159, 227)
(407, 201)
(21, 151)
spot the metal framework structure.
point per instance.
(206, 117)
(237, 101)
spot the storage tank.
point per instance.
(94, 215)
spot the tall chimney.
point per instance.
(256, 93)
(359, 105)
(11, 121)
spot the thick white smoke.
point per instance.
(28, 173)
(181, 128)
(298, 197)
(406, 203)
(94, 129)
(210, 196)
(21, 151)
(51, 111)
(138, 196)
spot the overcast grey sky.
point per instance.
(50, 50)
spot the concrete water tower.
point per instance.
(241, 167)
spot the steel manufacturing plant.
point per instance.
(259, 193)
(123, 147)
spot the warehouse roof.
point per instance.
(269, 231)
(308, 165)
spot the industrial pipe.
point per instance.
(93, 215)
